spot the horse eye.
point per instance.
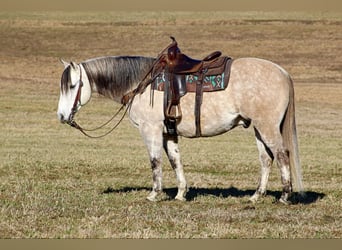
(72, 86)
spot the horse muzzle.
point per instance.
(62, 118)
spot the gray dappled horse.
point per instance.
(259, 93)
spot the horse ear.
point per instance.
(73, 65)
(64, 63)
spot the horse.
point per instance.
(259, 92)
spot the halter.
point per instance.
(77, 104)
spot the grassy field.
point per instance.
(56, 183)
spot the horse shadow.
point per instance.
(308, 198)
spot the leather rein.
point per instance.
(126, 100)
(77, 104)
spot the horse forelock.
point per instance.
(115, 76)
(65, 80)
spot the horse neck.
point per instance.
(115, 76)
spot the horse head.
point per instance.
(75, 91)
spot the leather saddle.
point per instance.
(176, 66)
(179, 63)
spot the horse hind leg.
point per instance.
(172, 151)
(283, 160)
(266, 160)
(273, 143)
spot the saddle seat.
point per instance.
(186, 65)
(179, 63)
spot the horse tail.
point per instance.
(289, 134)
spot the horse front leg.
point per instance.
(157, 179)
(172, 151)
(152, 135)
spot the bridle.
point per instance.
(77, 104)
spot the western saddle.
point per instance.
(176, 66)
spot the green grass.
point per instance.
(56, 183)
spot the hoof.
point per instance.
(152, 196)
(254, 198)
(252, 201)
(151, 199)
(284, 201)
(180, 198)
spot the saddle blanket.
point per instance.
(212, 81)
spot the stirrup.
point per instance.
(173, 112)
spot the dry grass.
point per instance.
(55, 183)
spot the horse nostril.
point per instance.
(61, 117)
